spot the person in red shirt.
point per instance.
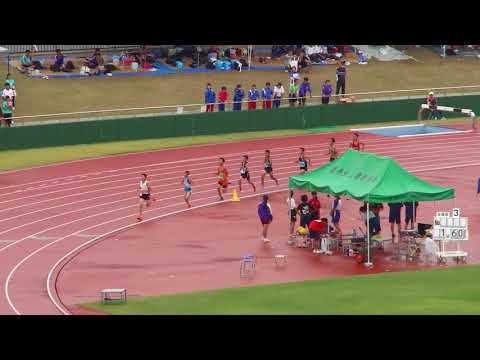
(222, 178)
(356, 144)
(314, 203)
(222, 98)
(432, 103)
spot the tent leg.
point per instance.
(369, 262)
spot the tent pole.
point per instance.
(368, 263)
(414, 218)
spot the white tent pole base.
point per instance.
(368, 264)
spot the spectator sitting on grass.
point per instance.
(304, 62)
(222, 98)
(96, 61)
(327, 90)
(27, 62)
(59, 61)
(278, 92)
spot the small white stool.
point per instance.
(113, 295)
(280, 260)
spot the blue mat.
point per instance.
(409, 130)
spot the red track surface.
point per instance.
(64, 206)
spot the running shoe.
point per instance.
(266, 241)
(139, 218)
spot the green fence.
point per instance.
(89, 132)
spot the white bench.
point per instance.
(111, 295)
(458, 255)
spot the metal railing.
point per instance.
(200, 107)
(16, 49)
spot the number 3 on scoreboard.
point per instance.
(455, 212)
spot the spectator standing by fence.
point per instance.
(8, 93)
(304, 89)
(326, 92)
(267, 94)
(13, 86)
(341, 77)
(278, 92)
(222, 98)
(253, 95)
(7, 111)
(293, 93)
(238, 96)
(209, 98)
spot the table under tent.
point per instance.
(372, 179)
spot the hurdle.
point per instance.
(468, 112)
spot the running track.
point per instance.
(49, 212)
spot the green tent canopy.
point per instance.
(371, 178)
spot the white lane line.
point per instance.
(431, 169)
(371, 141)
(408, 149)
(130, 199)
(43, 237)
(7, 282)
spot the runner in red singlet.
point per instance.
(356, 144)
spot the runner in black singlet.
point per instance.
(245, 174)
(268, 168)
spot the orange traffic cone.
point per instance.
(235, 197)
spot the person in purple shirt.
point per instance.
(253, 95)
(209, 98)
(238, 95)
(265, 215)
(327, 90)
(304, 89)
(267, 94)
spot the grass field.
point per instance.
(37, 96)
(452, 291)
(18, 159)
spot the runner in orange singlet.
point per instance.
(222, 176)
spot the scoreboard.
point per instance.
(450, 226)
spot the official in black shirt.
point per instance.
(341, 75)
